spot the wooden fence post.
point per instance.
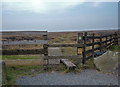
(106, 41)
(110, 40)
(79, 41)
(46, 51)
(100, 42)
(115, 39)
(3, 73)
(45, 36)
(93, 45)
(45, 46)
(84, 48)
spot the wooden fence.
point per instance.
(25, 42)
(93, 42)
(105, 41)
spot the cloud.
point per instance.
(97, 4)
(45, 6)
(39, 6)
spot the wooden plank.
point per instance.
(107, 35)
(24, 42)
(25, 33)
(62, 57)
(91, 37)
(89, 51)
(109, 44)
(22, 52)
(65, 45)
(98, 48)
(90, 44)
(68, 63)
(107, 40)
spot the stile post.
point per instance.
(93, 40)
(84, 48)
(79, 41)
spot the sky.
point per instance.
(42, 15)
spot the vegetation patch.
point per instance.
(11, 57)
(115, 48)
(14, 72)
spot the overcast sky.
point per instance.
(37, 15)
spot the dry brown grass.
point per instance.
(24, 62)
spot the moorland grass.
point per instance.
(12, 57)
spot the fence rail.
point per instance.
(22, 52)
(24, 42)
(105, 41)
(62, 57)
(111, 39)
(25, 33)
(65, 45)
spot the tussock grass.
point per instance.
(115, 48)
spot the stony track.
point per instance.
(86, 77)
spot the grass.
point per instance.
(11, 57)
(69, 51)
(115, 48)
(13, 72)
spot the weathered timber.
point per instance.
(3, 79)
(90, 51)
(79, 41)
(84, 48)
(65, 45)
(93, 43)
(91, 37)
(55, 51)
(109, 44)
(68, 63)
(90, 44)
(24, 42)
(101, 42)
(98, 48)
(62, 57)
(22, 52)
(25, 33)
(107, 35)
(106, 41)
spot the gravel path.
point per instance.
(86, 77)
